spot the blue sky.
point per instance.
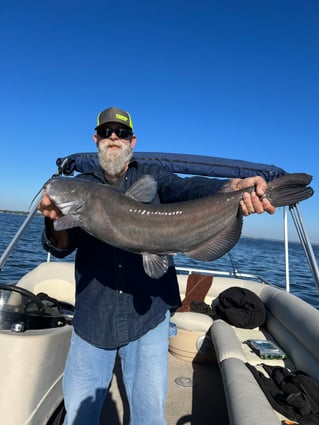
(236, 78)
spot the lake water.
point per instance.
(258, 256)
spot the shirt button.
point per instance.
(119, 266)
(121, 292)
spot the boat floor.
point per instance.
(202, 403)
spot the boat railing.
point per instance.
(237, 275)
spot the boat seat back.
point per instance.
(219, 284)
(293, 323)
(54, 278)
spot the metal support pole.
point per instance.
(17, 236)
(286, 250)
(305, 241)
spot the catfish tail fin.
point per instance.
(289, 189)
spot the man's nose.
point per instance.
(113, 136)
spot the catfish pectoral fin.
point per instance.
(66, 222)
(155, 266)
(220, 244)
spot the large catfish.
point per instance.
(203, 229)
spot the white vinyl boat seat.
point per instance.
(38, 355)
(292, 324)
(55, 278)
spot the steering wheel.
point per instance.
(31, 298)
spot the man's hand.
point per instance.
(48, 208)
(253, 202)
(51, 212)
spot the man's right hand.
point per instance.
(48, 208)
(51, 212)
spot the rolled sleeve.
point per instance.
(58, 252)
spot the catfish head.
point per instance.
(67, 195)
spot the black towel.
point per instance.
(293, 394)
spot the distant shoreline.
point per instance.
(18, 212)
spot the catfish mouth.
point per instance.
(46, 189)
(65, 204)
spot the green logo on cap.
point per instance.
(121, 117)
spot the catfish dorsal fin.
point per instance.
(143, 190)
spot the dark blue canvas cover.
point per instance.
(178, 163)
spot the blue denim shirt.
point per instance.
(116, 302)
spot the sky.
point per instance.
(229, 78)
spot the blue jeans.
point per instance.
(89, 369)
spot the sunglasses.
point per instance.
(122, 133)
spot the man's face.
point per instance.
(115, 148)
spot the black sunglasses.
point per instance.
(122, 133)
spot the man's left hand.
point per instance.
(253, 202)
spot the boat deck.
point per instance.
(199, 401)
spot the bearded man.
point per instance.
(119, 310)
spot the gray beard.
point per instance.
(114, 162)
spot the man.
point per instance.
(119, 310)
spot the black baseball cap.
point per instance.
(114, 114)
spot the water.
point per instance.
(258, 256)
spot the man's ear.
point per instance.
(133, 141)
(95, 138)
